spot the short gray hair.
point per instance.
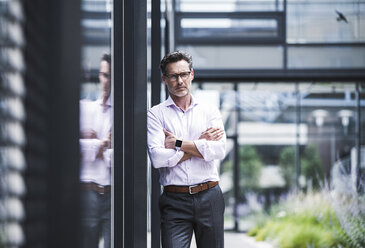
(175, 57)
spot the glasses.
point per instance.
(174, 77)
(104, 74)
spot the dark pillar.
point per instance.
(156, 96)
(130, 101)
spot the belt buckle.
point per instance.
(190, 187)
(101, 187)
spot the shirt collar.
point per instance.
(170, 102)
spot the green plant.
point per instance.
(286, 163)
(311, 166)
(302, 221)
(310, 163)
(250, 168)
(349, 205)
(250, 165)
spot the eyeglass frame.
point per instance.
(104, 74)
(177, 75)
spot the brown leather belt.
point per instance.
(193, 189)
(96, 187)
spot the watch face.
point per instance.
(178, 143)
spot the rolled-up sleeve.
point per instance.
(211, 150)
(159, 155)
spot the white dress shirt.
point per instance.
(186, 125)
(93, 116)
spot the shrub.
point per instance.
(303, 221)
(351, 215)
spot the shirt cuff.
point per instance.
(201, 145)
(175, 159)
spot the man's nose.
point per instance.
(179, 79)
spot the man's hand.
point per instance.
(108, 141)
(105, 144)
(170, 140)
(212, 134)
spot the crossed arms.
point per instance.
(207, 146)
(188, 147)
(92, 146)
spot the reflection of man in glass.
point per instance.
(185, 136)
(96, 119)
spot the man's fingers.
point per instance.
(212, 134)
(213, 129)
(170, 142)
(216, 132)
(167, 133)
(209, 129)
(220, 132)
(217, 135)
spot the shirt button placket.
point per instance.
(184, 124)
(185, 129)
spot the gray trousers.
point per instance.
(203, 213)
(95, 218)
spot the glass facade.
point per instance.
(296, 34)
(288, 136)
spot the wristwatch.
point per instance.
(178, 143)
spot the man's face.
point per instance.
(178, 78)
(104, 78)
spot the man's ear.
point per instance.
(192, 73)
(163, 79)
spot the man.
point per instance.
(184, 138)
(96, 119)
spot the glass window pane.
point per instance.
(325, 21)
(228, 5)
(329, 110)
(267, 137)
(326, 57)
(282, 128)
(228, 28)
(236, 57)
